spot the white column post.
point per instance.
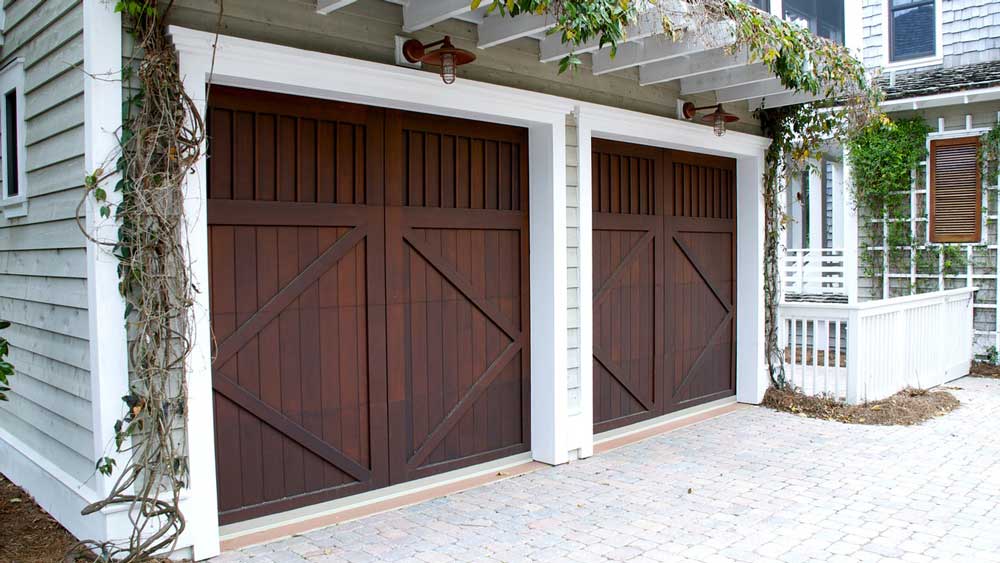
(547, 218)
(815, 209)
(109, 379)
(200, 506)
(584, 426)
(850, 230)
(751, 367)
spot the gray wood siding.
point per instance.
(970, 32)
(365, 30)
(43, 272)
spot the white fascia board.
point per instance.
(938, 100)
(497, 29)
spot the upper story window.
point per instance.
(12, 140)
(824, 18)
(762, 4)
(912, 29)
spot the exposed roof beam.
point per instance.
(497, 29)
(552, 48)
(787, 98)
(724, 78)
(418, 14)
(690, 65)
(328, 6)
(752, 90)
(661, 47)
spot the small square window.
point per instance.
(12, 141)
(912, 29)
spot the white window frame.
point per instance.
(12, 79)
(935, 59)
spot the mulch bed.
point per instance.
(908, 407)
(983, 369)
(27, 533)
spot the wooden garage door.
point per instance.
(663, 281)
(458, 286)
(316, 396)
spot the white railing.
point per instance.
(869, 351)
(814, 271)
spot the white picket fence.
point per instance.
(869, 351)
(814, 271)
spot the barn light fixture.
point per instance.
(447, 57)
(718, 118)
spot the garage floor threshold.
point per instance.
(270, 528)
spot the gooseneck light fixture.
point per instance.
(718, 118)
(447, 57)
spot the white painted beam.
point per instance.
(329, 6)
(725, 78)
(661, 47)
(497, 29)
(552, 48)
(760, 89)
(419, 14)
(787, 98)
(691, 65)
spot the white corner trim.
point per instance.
(585, 424)
(102, 97)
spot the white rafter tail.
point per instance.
(553, 49)
(696, 64)
(724, 78)
(329, 6)
(761, 89)
(788, 98)
(419, 14)
(497, 29)
(661, 48)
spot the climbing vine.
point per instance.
(883, 157)
(159, 144)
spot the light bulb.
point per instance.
(448, 68)
(719, 124)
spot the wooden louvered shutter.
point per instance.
(955, 195)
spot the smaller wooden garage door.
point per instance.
(664, 281)
(369, 297)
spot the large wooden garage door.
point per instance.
(664, 274)
(317, 396)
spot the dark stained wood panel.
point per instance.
(628, 271)
(304, 253)
(956, 195)
(297, 301)
(457, 244)
(664, 250)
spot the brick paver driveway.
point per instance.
(753, 485)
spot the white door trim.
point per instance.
(748, 150)
(264, 66)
